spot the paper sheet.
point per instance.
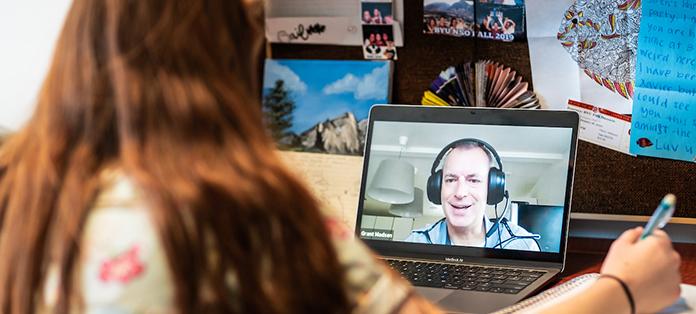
(686, 303)
(555, 75)
(664, 112)
(334, 179)
(335, 22)
(302, 8)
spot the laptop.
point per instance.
(445, 192)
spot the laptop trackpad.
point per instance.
(432, 294)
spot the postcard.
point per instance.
(321, 106)
(603, 127)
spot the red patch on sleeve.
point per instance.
(337, 229)
(122, 268)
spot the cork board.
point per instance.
(606, 182)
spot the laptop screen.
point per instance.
(499, 185)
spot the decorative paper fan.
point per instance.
(480, 84)
(602, 36)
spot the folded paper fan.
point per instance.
(480, 84)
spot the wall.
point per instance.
(28, 31)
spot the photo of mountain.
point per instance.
(322, 105)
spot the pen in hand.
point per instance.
(662, 215)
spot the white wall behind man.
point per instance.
(28, 32)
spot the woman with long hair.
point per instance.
(145, 182)
(162, 96)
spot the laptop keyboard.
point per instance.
(465, 277)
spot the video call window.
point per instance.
(491, 186)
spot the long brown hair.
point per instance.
(167, 91)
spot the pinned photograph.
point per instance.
(321, 106)
(500, 20)
(449, 17)
(377, 13)
(378, 42)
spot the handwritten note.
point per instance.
(334, 179)
(301, 33)
(664, 108)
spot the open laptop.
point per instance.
(442, 192)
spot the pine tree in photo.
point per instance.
(278, 108)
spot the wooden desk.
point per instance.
(586, 256)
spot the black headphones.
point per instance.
(496, 176)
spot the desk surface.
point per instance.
(586, 256)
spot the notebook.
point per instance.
(442, 193)
(685, 304)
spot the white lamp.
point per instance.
(410, 210)
(393, 181)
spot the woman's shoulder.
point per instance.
(122, 265)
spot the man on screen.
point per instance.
(464, 184)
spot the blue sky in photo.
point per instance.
(326, 89)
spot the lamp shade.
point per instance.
(393, 182)
(410, 210)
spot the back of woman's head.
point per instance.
(166, 91)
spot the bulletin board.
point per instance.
(606, 181)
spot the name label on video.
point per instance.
(377, 234)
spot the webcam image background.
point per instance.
(535, 162)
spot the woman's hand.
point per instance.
(650, 268)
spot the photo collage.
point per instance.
(378, 30)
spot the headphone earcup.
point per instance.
(496, 186)
(434, 185)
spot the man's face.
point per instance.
(465, 187)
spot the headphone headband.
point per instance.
(459, 142)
